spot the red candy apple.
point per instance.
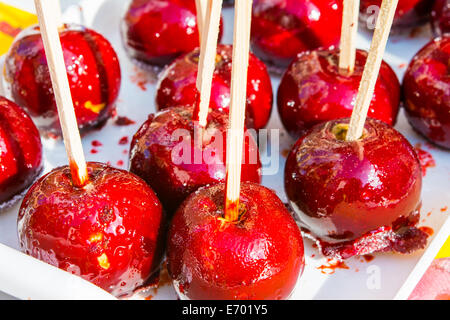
(155, 32)
(260, 256)
(109, 232)
(177, 85)
(314, 90)
(283, 28)
(426, 90)
(167, 153)
(409, 14)
(20, 152)
(356, 197)
(440, 17)
(92, 68)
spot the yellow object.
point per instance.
(12, 21)
(445, 251)
(94, 107)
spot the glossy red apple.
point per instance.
(156, 32)
(283, 28)
(409, 14)
(92, 68)
(167, 153)
(20, 152)
(426, 90)
(177, 85)
(314, 90)
(258, 257)
(110, 232)
(440, 17)
(356, 197)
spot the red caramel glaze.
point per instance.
(356, 197)
(260, 256)
(314, 90)
(177, 86)
(440, 17)
(426, 90)
(283, 28)
(110, 232)
(409, 13)
(92, 68)
(171, 134)
(20, 151)
(156, 32)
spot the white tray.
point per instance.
(387, 276)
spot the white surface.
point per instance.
(380, 278)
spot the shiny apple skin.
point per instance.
(151, 155)
(110, 232)
(177, 86)
(259, 257)
(343, 190)
(156, 32)
(283, 28)
(426, 90)
(409, 13)
(440, 17)
(313, 90)
(20, 149)
(92, 68)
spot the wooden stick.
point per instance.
(235, 137)
(348, 35)
(371, 70)
(49, 17)
(207, 61)
(201, 6)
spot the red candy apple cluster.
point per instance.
(353, 197)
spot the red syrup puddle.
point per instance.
(444, 209)
(94, 151)
(123, 140)
(425, 158)
(96, 143)
(120, 163)
(368, 257)
(427, 230)
(331, 266)
(124, 121)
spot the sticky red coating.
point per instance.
(156, 32)
(343, 190)
(409, 13)
(177, 86)
(426, 90)
(92, 68)
(111, 232)
(440, 17)
(20, 149)
(314, 90)
(164, 153)
(259, 257)
(283, 28)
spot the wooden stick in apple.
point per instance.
(348, 36)
(207, 61)
(371, 69)
(235, 138)
(49, 19)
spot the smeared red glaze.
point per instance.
(156, 32)
(211, 258)
(152, 154)
(96, 143)
(94, 151)
(283, 28)
(425, 158)
(368, 257)
(123, 141)
(20, 151)
(92, 68)
(444, 209)
(120, 163)
(410, 13)
(177, 86)
(110, 232)
(426, 90)
(331, 266)
(314, 90)
(124, 121)
(429, 231)
(356, 197)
